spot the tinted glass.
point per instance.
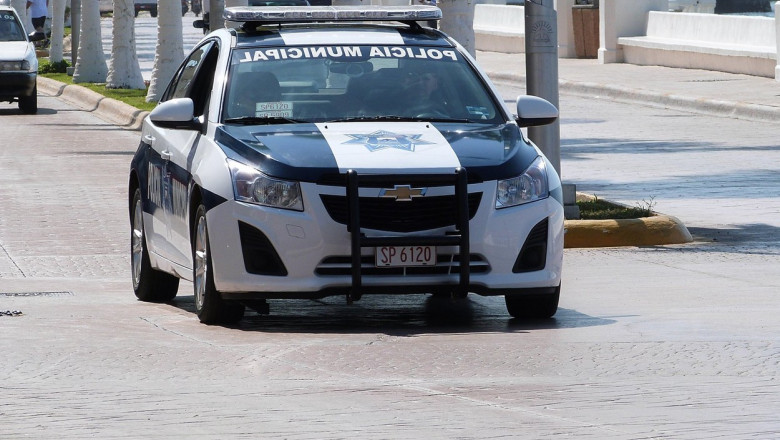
(326, 83)
(10, 30)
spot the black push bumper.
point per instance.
(16, 84)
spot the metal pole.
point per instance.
(541, 66)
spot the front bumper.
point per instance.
(17, 84)
(315, 251)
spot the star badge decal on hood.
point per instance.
(381, 140)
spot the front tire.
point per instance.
(149, 284)
(209, 305)
(29, 104)
(533, 305)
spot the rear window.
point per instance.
(326, 83)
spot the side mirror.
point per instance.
(199, 24)
(533, 111)
(177, 113)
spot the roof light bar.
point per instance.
(303, 14)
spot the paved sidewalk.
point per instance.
(703, 91)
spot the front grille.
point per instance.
(385, 214)
(445, 264)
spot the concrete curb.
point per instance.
(108, 109)
(649, 231)
(707, 106)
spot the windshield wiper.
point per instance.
(262, 120)
(393, 118)
(374, 119)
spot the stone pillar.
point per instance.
(565, 28)
(777, 36)
(623, 18)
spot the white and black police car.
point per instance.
(318, 151)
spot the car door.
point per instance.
(172, 152)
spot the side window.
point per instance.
(200, 91)
(184, 76)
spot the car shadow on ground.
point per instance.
(398, 315)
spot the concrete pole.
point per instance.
(216, 8)
(541, 66)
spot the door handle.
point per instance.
(166, 155)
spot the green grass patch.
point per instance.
(134, 97)
(597, 209)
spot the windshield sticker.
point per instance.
(477, 111)
(281, 109)
(338, 52)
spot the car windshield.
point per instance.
(10, 30)
(346, 83)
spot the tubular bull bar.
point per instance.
(459, 179)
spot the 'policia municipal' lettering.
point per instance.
(284, 53)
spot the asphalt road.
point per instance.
(677, 342)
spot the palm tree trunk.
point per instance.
(170, 48)
(91, 62)
(124, 71)
(57, 30)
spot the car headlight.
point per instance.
(252, 186)
(529, 187)
(15, 66)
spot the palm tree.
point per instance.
(91, 62)
(169, 51)
(57, 30)
(124, 71)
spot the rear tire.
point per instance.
(209, 305)
(29, 104)
(149, 284)
(533, 306)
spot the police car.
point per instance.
(319, 151)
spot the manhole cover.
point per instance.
(29, 294)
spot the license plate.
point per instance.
(399, 256)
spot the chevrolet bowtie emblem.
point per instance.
(402, 193)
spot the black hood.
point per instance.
(303, 152)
